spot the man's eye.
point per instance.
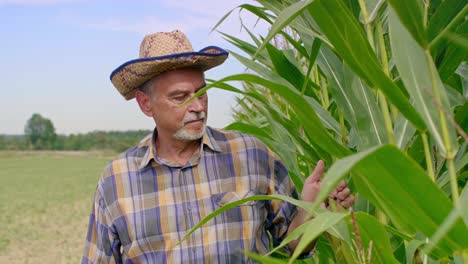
(179, 98)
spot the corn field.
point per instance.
(378, 90)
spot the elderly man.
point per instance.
(152, 194)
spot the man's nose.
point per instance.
(196, 105)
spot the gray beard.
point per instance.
(184, 135)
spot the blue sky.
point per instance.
(57, 55)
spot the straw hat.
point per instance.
(161, 52)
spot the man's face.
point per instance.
(168, 93)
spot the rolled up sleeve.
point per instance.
(281, 213)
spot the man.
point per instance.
(151, 195)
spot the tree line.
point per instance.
(39, 134)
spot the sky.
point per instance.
(56, 57)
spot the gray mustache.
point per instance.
(194, 116)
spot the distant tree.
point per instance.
(40, 132)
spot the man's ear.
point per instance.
(144, 101)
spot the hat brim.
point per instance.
(132, 74)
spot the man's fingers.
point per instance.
(341, 186)
(343, 194)
(317, 174)
(348, 202)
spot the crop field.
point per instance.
(45, 200)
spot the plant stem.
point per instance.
(383, 102)
(465, 256)
(326, 100)
(382, 49)
(381, 96)
(453, 182)
(386, 116)
(384, 61)
(344, 138)
(427, 153)
(426, 8)
(450, 154)
(367, 24)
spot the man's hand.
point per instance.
(341, 195)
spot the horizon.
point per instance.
(58, 56)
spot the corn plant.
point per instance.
(378, 90)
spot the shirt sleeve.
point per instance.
(280, 213)
(102, 243)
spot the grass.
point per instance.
(45, 200)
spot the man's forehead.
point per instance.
(179, 85)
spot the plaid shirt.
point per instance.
(143, 206)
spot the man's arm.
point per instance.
(100, 242)
(342, 196)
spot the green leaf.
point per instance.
(315, 227)
(258, 11)
(299, 203)
(293, 235)
(284, 18)
(372, 7)
(414, 66)
(403, 132)
(221, 20)
(444, 228)
(411, 249)
(410, 14)
(355, 100)
(244, 46)
(458, 40)
(286, 69)
(350, 42)
(264, 259)
(455, 22)
(327, 119)
(371, 230)
(249, 129)
(443, 15)
(400, 188)
(303, 110)
(464, 201)
(454, 52)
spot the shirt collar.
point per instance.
(150, 153)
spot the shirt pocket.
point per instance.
(230, 197)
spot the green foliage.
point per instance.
(40, 132)
(117, 141)
(378, 89)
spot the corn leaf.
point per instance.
(399, 187)
(410, 13)
(372, 230)
(355, 100)
(284, 18)
(315, 227)
(303, 110)
(349, 41)
(305, 205)
(414, 66)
